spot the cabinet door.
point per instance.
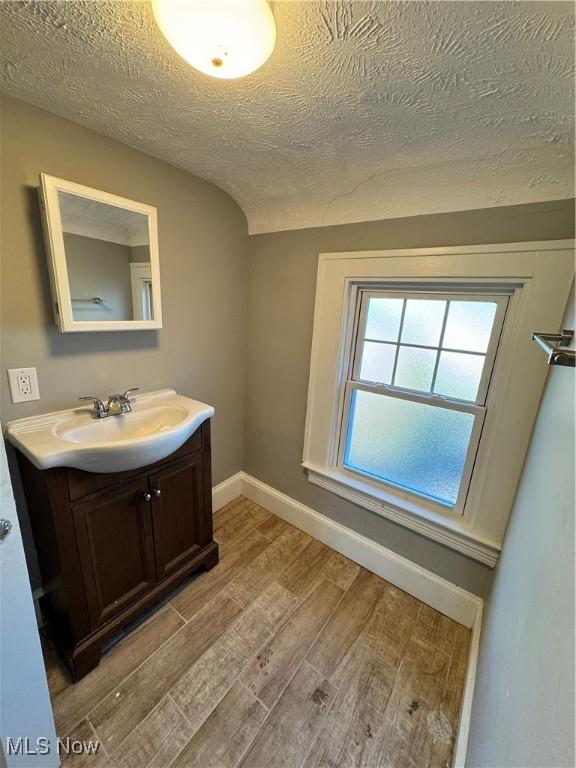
(115, 544)
(180, 522)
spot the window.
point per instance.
(425, 383)
(142, 297)
(415, 398)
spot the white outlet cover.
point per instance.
(23, 384)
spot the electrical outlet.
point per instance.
(23, 384)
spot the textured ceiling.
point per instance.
(91, 218)
(365, 110)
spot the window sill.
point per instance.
(450, 531)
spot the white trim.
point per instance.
(140, 272)
(538, 275)
(357, 312)
(57, 267)
(450, 531)
(454, 250)
(461, 743)
(457, 603)
(225, 492)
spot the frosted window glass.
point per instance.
(417, 446)
(383, 319)
(415, 368)
(423, 321)
(469, 325)
(377, 362)
(459, 375)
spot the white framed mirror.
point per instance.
(102, 257)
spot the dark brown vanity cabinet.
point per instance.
(111, 545)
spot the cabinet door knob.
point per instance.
(157, 492)
(147, 496)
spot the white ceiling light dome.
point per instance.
(222, 38)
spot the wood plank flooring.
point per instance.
(285, 654)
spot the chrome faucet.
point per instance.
(116, 405)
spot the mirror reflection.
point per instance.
(107, 252)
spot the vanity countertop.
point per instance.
(159, 423)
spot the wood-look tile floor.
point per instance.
(285, 654)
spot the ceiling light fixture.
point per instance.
(222, 38)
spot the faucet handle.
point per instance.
(99, 410)
(132, 389)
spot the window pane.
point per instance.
(383, 319)
(423, 322)
(469, 325)
(418, 446)
(377, 362)
(459, 375)
(415, 368)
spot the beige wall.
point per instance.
(282, 281)
(202, 238)
(523, 712)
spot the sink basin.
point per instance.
(159, 424)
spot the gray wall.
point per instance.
(140, 253)
(203, 240)
(523, 711)
(99, 268)
(207, 344)
(282, 282)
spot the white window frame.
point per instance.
(536, 277)
(142, 290)
(359, 298)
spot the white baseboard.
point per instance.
(449, 599)
(226, 491)
(461, 744)
(457, 603)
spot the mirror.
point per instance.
(103, 258)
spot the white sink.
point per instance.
(159, 424)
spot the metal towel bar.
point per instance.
(554, 344)
(93, 300)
